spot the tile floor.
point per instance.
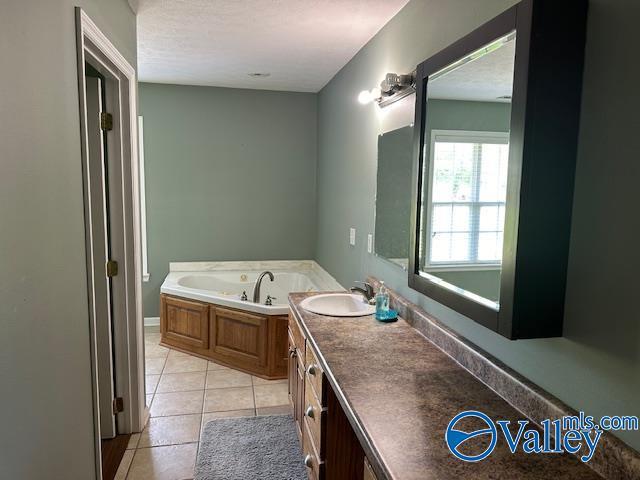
(183, 393)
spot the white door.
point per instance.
(99, 210)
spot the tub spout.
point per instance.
(256, 288)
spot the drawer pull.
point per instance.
(308, 461)
(311, 370)
(292, 352)
(309, 412)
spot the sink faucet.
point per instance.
(256, 288)
(366, 290)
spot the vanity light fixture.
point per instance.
(392, 88)
(367, 96)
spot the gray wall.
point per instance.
(595, 365)
(46, 405)
(230, 175)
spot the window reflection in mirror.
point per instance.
(393, 195)
(464, 179)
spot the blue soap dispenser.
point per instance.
(383, 312)
(382, 303)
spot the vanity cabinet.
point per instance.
(253, 343)
(330, 448)
(362, 434)
(314, 418)
(296, 384)
(296, 373)
(305, 379)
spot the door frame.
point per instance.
(98, 158)
(95, 47)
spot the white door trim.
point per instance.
(99, 250)
(93, 45)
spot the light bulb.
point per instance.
(365, 97)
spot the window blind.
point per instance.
(468, 180)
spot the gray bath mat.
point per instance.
(250, 448)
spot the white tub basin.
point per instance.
(222, 283)
(338, 305)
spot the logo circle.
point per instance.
(455, 438)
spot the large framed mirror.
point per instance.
(465, 176)
(494, 165)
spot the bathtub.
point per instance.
(223, 283)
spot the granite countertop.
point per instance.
(400, 391)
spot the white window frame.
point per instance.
(464, 136)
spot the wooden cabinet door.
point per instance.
(299, 399)
(239, 336)
(184, 322)
(296, 386)
(292, 372)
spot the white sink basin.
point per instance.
(338, 305)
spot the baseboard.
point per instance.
(151, 321)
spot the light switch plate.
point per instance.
(370, 243)
(352, 236)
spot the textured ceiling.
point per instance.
(301, 43)
(485, 79)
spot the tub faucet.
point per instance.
(256, 288)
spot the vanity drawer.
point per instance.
(315, 468)
(315, 375)
(315, 417)
(298, 337)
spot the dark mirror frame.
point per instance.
(545, 113)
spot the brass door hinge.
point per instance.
(118, 405)
(106, 121)
(112, 268)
